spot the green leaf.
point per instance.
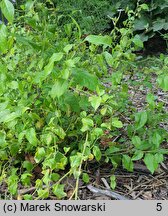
(28, 165)
(43, 193)
(140, 119)
(58, 190)
(116, 123)
(136, 141)
(83, 78)
(87, 123)
(54, 58)
(25, 179)
(159, 24)
(85, 177)
(2, 138)
(28, 197)
(59, 88)
(137, 41)
(137, 155)
(67, 48)
(7, 9)
(142, 23)
(163, 82)
(31, 136)
(3, 38)
(97, 153)
(127, 163)
(40, 154)
(150, 98)
(95, 101)
(75, 160)
(144, 6)
(156, 139)
(6, 116)
(113, 182)
(99, 40)
(59, 131)
(109, 58)
(150, 162)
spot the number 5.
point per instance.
(159, 207)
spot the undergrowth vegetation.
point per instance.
(65, 100)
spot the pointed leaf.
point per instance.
(7, 9)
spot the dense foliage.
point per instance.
(64, 99)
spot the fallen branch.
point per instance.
(109, 193)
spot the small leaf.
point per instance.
(97, 153)
(75, 160)
(84, 78)
(113, 182)
(58, 190)
(137, 155)
(59, 131)
(40, 154)
(141, 119)
(99, 40)
(137, 41)
(3, 38)
(156, 139)
(150, 162)
(31, 136)
(136, 141)
(127, 163)
(54, 58)
(116, 123)
(59, 88)
(7, 9)
(163, 82)
(67, 48)
(95, 101)
(87, 123)
(85, 177)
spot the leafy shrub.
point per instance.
(55, 106)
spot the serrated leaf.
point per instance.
(95, 101)
(99, 40)
(7, 9)
(127, 163)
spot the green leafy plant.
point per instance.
(56, 106)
